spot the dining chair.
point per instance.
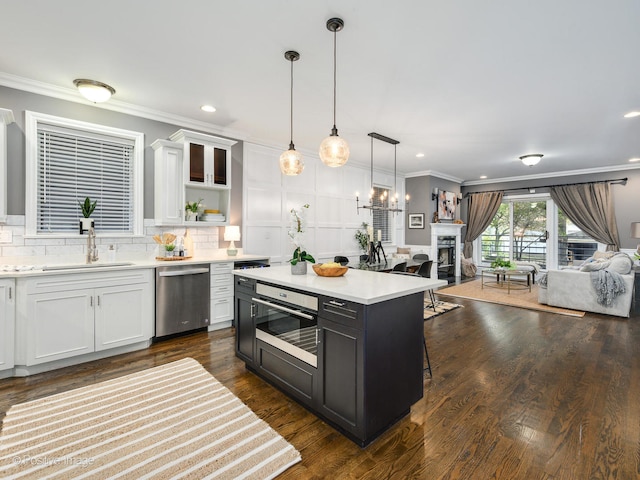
(341, 260)
(424, 270)
(421, 257)
(400, 267)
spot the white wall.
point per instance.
(333, 219)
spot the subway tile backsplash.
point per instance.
(24, 250)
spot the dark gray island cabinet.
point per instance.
(349, 349)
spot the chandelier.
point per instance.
(393, 203)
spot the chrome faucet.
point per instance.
(92, 250)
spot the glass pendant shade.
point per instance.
(291, 162)
(334, 151)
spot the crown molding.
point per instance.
(566, 173)
(71, 95)
(434, 173)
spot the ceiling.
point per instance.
(471, 84)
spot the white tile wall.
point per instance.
(205, 240)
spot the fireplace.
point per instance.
(446, 249)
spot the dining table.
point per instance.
(387, 266)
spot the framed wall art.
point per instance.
(416, 220)
(447, 202)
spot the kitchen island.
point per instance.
(350, 348)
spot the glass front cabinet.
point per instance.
(205, 177)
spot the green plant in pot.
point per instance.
(499, 263)
(296, 233)
(362, 237)
(192, 209)
(87, 207)
(169, 247)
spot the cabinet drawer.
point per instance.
(342, 311)
(221, 281)
(221, 291)
(224, 267)
(294, 376)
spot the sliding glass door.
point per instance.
(533, 229)
(518, 232)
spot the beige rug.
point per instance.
(441, 307)
(517, 298)
(172, 421)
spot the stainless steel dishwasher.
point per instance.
(182, 299)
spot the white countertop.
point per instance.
(358, 286)
(36, 265)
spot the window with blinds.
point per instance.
(72, 163)
(381, 218)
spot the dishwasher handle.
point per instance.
(179, 273)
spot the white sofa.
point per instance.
(573, 289)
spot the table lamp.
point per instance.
(635, 233)
(231, 234)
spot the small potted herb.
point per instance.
(87, 207)
(192, 210)
(169, 248)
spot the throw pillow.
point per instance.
(404, 250)
(605, 255)
(621, 263)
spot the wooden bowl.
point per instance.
(330, 271)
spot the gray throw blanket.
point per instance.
(608, 285)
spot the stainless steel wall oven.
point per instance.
(287, 320)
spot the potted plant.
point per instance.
(192, 210)
(300, 257)
(87, 207)
(169, 248)
(500, 264)
(362, 237)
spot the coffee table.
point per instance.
(511, 279)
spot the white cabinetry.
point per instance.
(7, 323)
(168, 185)
(66, 315)
(221, 295)
(206, 171)
(6, 117)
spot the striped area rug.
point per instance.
(172, 421)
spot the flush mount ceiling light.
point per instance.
(531, 159)
(419, 155)
(334, 151)
(94, 91)
(208, 108)
(291, 161)
(632, 114)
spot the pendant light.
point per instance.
(291, 161)
(334, 151)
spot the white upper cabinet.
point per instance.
(205, 178)
(168, 187)
(6, 117)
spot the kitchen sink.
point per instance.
(83, 266)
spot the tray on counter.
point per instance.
(169, 259)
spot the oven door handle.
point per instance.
(284, 309)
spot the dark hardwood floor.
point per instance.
(516, 394)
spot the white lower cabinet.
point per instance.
(221, 295)
(64, 316)
(7, 323)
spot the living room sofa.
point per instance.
(573, 287)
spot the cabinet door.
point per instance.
(7, 323)
(123, 315)
(168, 187)
(197, 163)
(245, 330)
(59, 325)
(340, 386)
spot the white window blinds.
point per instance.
(73, 164)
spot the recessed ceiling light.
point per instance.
(634, 159)
(419, 155)
(632, 114)
(483, 176)
(208, 108)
